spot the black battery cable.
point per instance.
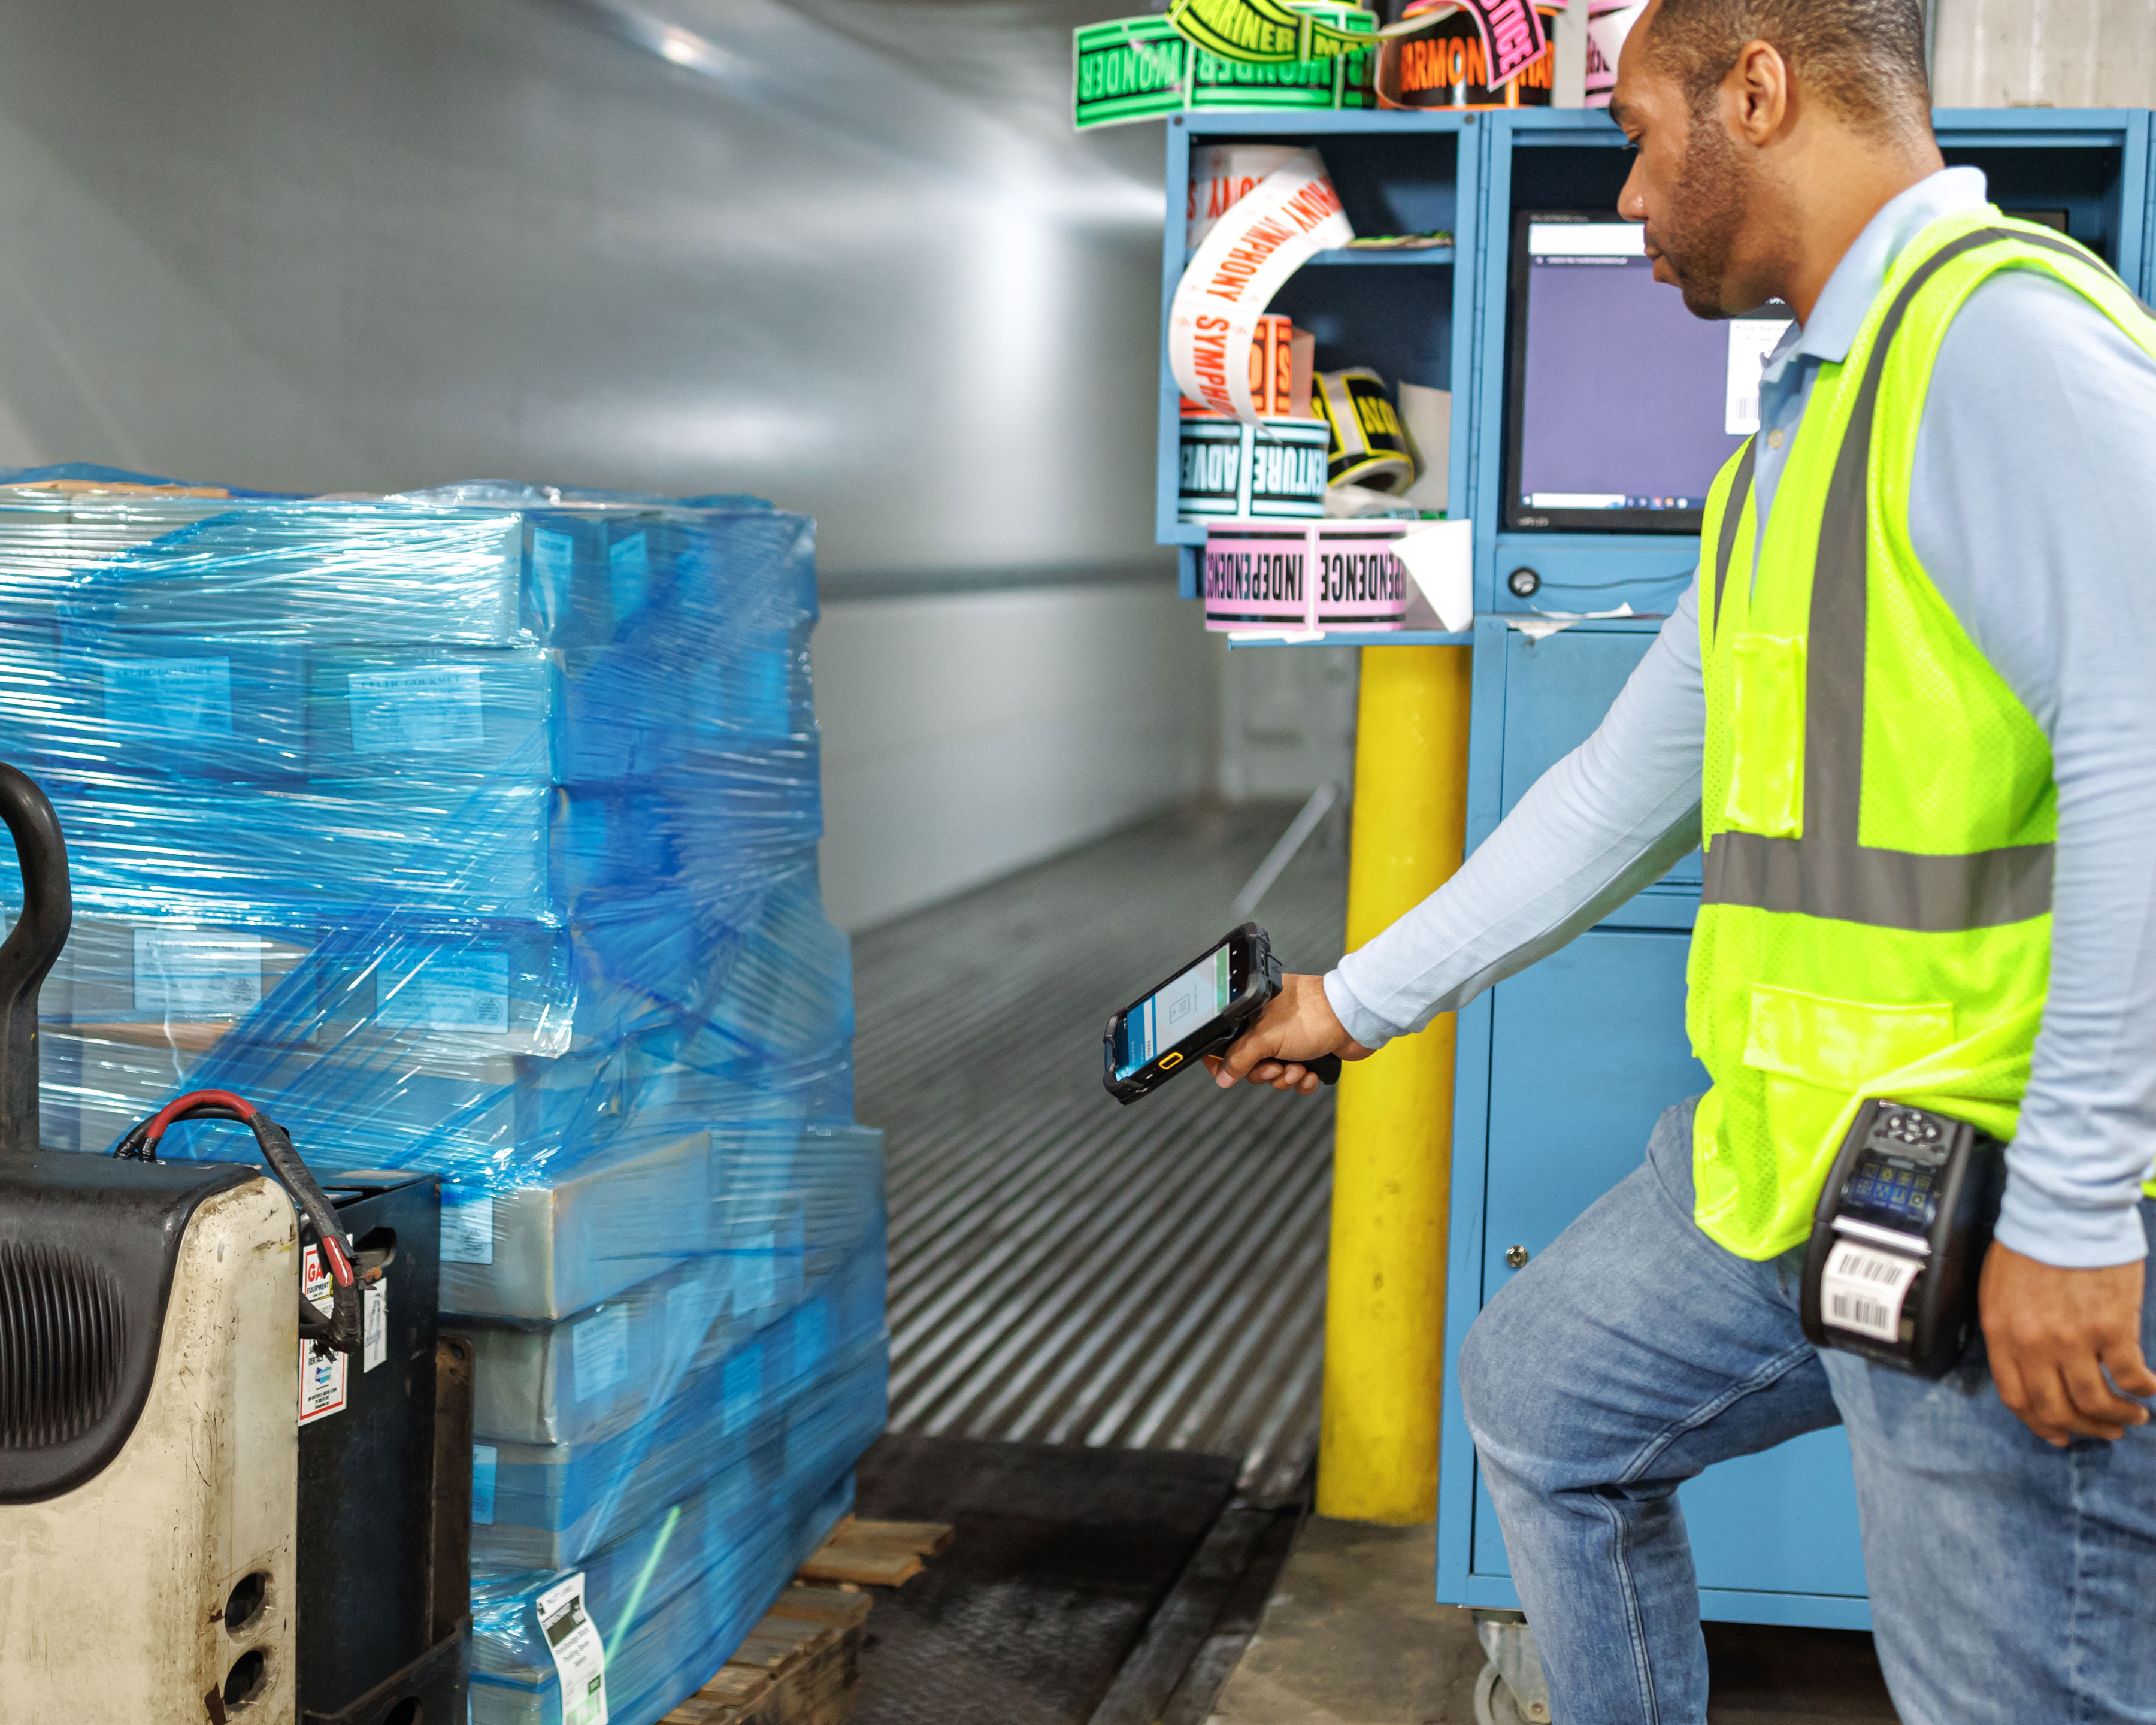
(340, 1329)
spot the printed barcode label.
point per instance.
(1862, 1290)
(1853, 1311)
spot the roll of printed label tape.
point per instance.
(1271, 470)
(1134, 68)
(1369, 447)
(1444, 64)
(1263, 239)
(1221, 175)
(1326, 575)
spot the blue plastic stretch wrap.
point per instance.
(475, 831)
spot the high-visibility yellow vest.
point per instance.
(1878, 806)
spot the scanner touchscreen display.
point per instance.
(1162, 1020)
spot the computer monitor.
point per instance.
(1623, 405)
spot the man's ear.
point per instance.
(1756, 95)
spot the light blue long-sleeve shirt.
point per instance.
(2033, 508)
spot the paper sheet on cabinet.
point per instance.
(1541, 625)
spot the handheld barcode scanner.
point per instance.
(1201, 1009)
(1899, 1238)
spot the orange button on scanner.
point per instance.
(1170, 1059)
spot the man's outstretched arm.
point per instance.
(1610, 818)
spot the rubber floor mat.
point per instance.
(1060, 1557)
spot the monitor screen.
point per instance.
(1624, 406)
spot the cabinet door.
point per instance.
(1557, 690)
(1587, 1049)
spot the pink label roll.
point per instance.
(1256, 577)
(1359, 583)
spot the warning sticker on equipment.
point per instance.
(321, 1368)
(1862, 1290)
(373, 1327)
(579, 1656)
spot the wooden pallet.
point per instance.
(799, 1665)
(875, 1553)
(796, 1667)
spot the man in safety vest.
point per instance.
(1909, 708)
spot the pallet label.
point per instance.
(579, 1654)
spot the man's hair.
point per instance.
(1865, 59)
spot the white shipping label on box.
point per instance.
(628, 576)
(741, 1389)
(467, 1227)
(553, 571)
(598, 1351)
(430, 710)
(321, 1369)
(1862, 1290)
(466, 989)
(197, 973)
(486, 1462)
(183, 697)
(374, 1326)
(1751, 340)
(579, 1654)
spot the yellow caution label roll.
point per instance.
(1368, 446)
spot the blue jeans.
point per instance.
(2010, 1581)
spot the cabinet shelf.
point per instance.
(1370, 638)
(1442, 256)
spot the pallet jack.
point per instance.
(175, 1544)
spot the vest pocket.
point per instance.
(1766, 730)
(1816, 1052)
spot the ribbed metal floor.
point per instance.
(1063, 1269)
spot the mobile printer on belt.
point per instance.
(1899, 1238)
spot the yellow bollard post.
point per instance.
(1392, 1156)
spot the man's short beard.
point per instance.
(1708, 201)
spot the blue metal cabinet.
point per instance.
(1589, 1048)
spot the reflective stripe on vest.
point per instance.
(1827, 872)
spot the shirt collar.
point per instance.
(1839, 310)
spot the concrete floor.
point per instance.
(1353, 1637)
